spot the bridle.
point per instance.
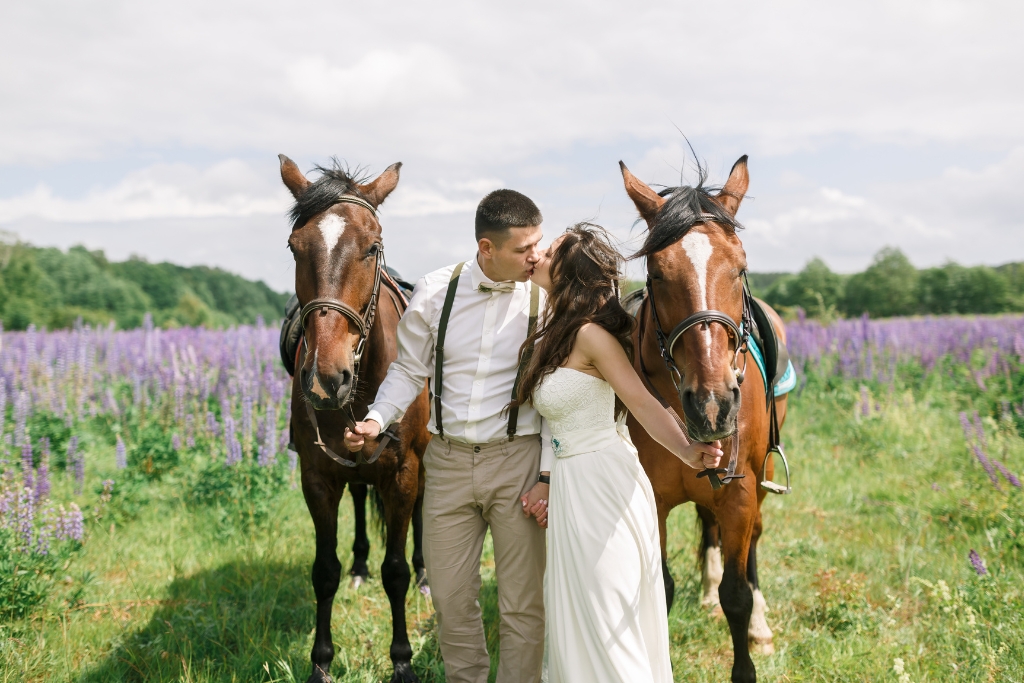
(666, 345)
(362, 322)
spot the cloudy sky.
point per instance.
(153, 128)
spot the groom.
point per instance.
(462, 332)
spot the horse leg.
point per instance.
(361, 545)
(418, 567)
(670, 583)
(735, 593)
(759, 633)
(710, 560)
(322, 501)
(395, 575)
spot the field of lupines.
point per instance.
(151, 529)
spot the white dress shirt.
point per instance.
(481, 357)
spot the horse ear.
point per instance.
(735, 187)
(292, 176)
(647, 201)
(378, 190)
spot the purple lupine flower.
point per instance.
(26, 517)
(865, 401)
(176, 441)
(70, 524)
(979, 430)
(43, 473)
(3, 398)
(231, 444)
(211, 424)
(1010, 476)
(121, 454)
(268, 452)
(987, 464)
(247, 407)
(977, 563)
(190, 431)
(26, 466)
(45, 531)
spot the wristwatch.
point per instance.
(544, 479)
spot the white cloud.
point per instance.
(962, 215)
(448, 81)
(229, 188)
(421, 74)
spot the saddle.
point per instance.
(769, 352)
(291, 327)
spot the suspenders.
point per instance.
(442, 329)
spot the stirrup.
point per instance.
(771, 486)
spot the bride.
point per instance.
(603, 590)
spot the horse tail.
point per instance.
(378, 512)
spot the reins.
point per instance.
(741, 335)
(363, 323)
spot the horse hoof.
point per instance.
(358, 581)
(404, 673)
(762, 648)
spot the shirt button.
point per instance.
(476, 449)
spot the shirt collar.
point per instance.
(477, 276)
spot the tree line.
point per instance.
(892, 286)
(54, 288)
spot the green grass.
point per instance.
(865, 563)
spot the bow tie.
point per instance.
(504, 286)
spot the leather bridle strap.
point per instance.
(711, 473)
(363, 324)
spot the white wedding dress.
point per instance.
(603, 590)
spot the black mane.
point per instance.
(685, 207)
(323, 193)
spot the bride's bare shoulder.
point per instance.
(593, 336)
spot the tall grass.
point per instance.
(866, 564)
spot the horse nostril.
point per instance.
(736, 394)
(346, 378)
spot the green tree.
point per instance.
(816, 289)
(952, 288)
(887, 288)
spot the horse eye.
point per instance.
(373, 251)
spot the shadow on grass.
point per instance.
(220, 624)
(234, 622)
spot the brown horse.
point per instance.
(349, 316)
(696, 267)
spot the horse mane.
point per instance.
(684, 208)
(323, 192)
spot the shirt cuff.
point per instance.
(382, 414)
(547, 455)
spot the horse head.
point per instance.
(336, 242)
(696, 266)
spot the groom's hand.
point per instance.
(364, 430)
(535, 502)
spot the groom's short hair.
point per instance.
(504, 209)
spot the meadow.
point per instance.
(151, 528)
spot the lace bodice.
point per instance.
(571, 400)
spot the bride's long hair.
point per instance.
(585, 274)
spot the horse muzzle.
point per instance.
(711, 415)
(326, 391)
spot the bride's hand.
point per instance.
(701, 456)
(535, 503)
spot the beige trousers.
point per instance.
(468, 489)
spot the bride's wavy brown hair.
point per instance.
(585, 273)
